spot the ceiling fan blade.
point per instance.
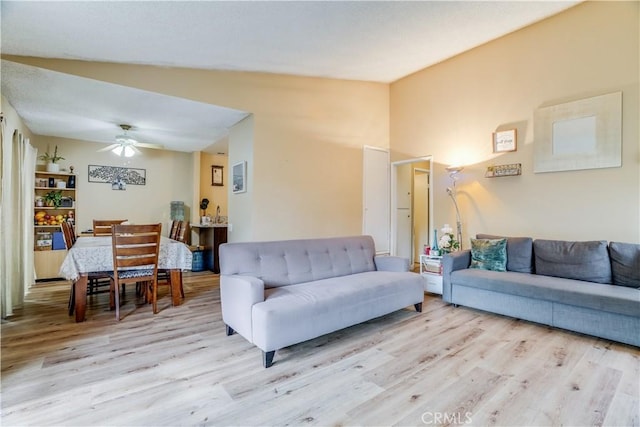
(108, 148)
(148, 145)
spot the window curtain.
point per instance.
(17, 163)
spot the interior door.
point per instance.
(404, 221)
(376, 199)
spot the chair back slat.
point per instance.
(137, 262)
(102, 227)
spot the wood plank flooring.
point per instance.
(445, 366)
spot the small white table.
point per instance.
(432, 280)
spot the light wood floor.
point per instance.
(451, 366)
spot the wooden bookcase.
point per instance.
(48, 254)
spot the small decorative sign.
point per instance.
(504, 140)
(503, 170)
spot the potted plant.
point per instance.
(52, 161)
(53, 199)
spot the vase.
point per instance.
(53, 167)
(435, 250)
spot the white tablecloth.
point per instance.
(93, 254)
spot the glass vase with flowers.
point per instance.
(448, 242)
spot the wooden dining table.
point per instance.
(94, 254)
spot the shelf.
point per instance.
(54, 188)
(59, 208)
(54, 173)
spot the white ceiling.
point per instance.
(379, 41)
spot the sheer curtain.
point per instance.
(17, 163)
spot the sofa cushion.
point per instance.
(597, 296)
(519, 252)
(295, 313)
(625, 264)
(288, 262)
(573, 260)
(489, 254)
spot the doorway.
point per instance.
(412, 207)
(376, 197)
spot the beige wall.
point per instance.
(242, 208)
(217, 195)
(450, 111)
(138, 203)
(308, 135)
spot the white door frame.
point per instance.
(394, 201)
(413, 215)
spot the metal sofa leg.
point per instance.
(418, 307)
(267, 358)
(230, 330)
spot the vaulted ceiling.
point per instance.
(379, 41)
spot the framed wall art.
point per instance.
(582, 134)
(217, 175)
(239, 174)
(115, 174)
(504, 140)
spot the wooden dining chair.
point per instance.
(181, 234)
(102, 227)
(68, 242)
(95, 280)
(178, 229)
(68, 234)
(135, 260)
(175, 226)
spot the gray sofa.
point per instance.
(587, 287)
(280, 293)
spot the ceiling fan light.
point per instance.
(118, 150)
(128, 151)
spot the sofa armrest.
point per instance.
(451, 262)
(238, 294)
(391, 263)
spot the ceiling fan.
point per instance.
(127, 146)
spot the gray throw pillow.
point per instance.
(519, 252)
(489, 254)
(588, 261)
(625, 264)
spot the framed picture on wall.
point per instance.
(239, 176)
(217, 176)
(504, 140)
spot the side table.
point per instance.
(431, 271)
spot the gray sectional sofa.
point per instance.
(587, 287)
(280, 293)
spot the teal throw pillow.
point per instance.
(489, 254)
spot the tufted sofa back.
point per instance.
(289, 262)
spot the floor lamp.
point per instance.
(451, 191)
